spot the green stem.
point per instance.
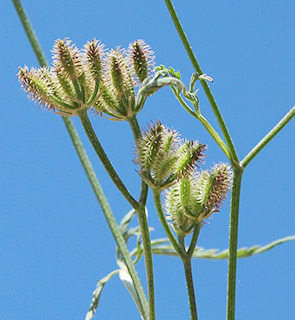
(94, 94)
(107, 213)
(194, 240)
(87, 167)
(137, 134)
(30, 32)
(233, 242)
(193, 59)
(281, 124)
(215, 136)
(159, 208)
(205, 123)
(190, 287)
(104, 159)
(144, 228)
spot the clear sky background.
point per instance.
(54, 241)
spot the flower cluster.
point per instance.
(195, 197)
(168, 162)
(163, 157)
(93, 77)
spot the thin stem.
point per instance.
(144, 228)
(280, 125)
(88, 168)
(137, 134)
(108, 215)
(190, 287)
(159, 208)
(183, 103)
(94, 94)
(193, 59)
(205, 123)
(214, 135)
(104, 159)
(233, 243)
(30, 32)
(194, 240)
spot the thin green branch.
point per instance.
(281, 124)
(193, 59)
(214, 135)
(233, 243)
(190, 287)
(30, 32)
(159, 208)
(194, 240)
(144, 228)
(204, 122)
(104, 158)
(108, 216)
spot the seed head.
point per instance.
(67, 57)
(37, 84)
(189, 154)
(214, 185)
(141, 59)
(93, 57)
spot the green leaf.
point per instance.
(126, 221)
(126, 279)
(158, 247)
(96, 294)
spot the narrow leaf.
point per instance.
(126, 279)
(168, 250)
(96, 294)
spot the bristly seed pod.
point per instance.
(89, 79)
(161, 153)
(193, 199)
(141, 59)
(93, 55)
(68, 58)
(190, 153)
(119, 82)
(214, 185)
(35, 83)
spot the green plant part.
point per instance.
(164, 157)
(90, 78)
(71, 84)
(141, 60)
(194, 198)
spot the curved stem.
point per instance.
(144, 228)
(205, 123)
(280, 125)
(159, 208)
(190, 287)
(233, 243)
(204, 83)
(104, 159)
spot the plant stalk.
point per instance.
(144, 228)
(233, 242)
(193, 59)
(190, 287)
(261, 144)
(157, 200)
(104, 159)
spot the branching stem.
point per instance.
(144, 228)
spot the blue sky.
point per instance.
(54, 240)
